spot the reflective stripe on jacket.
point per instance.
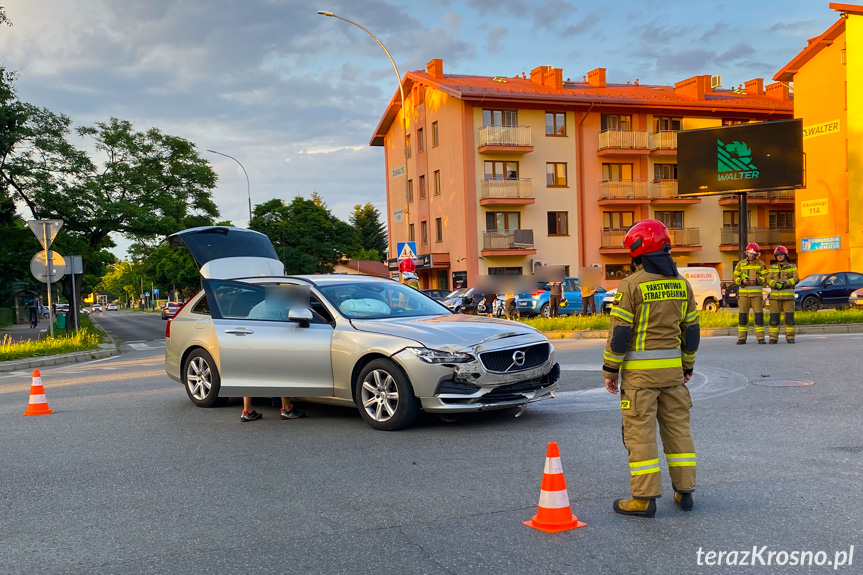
(757, 270)
(786, 274)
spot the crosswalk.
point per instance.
(145, 345)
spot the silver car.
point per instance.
(350, 340)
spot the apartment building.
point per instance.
(508, 173)
(828, 97)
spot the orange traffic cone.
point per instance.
(38, 402)
(554, 513)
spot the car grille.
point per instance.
(506, 361)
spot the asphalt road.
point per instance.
(133, 327)
(127, 476)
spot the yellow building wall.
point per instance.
(854, 75)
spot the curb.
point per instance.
(105, 350)
(713, 331)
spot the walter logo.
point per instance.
(735, 162)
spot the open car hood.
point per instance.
(223, 252)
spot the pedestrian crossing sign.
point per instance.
(407, 250)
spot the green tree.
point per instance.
(366, 219)
(307, 237)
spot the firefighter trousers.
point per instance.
(786, 308)
(756, 303)
(642, 409)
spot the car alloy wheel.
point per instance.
(201, 379)
(811, 304)
(385, 397)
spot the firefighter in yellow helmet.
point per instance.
(651, 347)
(782, 277)
(750, 274)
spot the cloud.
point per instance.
(737, 52)
(495, 39)
(582, 26)
(694, 61)
(717, 30)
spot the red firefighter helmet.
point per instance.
(407, 265)
(753, 248)
(646, 236)
(780, 250)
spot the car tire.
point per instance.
(710, 305)
(201, 379)
(385, 397)
(811, 303)
(544, 310)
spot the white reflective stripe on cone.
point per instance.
(553, 466)
(37, 381)
(38, 399)
(553, 499)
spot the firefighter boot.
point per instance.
(635, 507)
(683, 501)
(759, 327)
(742, 327)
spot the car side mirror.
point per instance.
(827, 283)
(300, 316)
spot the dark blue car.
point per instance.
(826, 290)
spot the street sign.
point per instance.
(406, 250)
(156, 291)
(45, 230)
(146, 294)
(39, 267)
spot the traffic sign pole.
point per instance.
(50, 257)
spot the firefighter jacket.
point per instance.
(755, 269)
(654, 331)
(782, 277)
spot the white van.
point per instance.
(706, 285)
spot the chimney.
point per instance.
(596, 78)
(435, 68)
(553, 78)
(536, 75)
(755, 86)
(694, 87)
(778, 91)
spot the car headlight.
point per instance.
(439, 356)
(796, 295)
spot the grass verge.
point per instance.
(89, 337)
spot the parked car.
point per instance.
(826, 290)
(856, 299)
(537, 303)
(170, 309)
(730, 291)
(353, 340)
(455, 301)
(437, 294)
(44, 311)
(112, 307)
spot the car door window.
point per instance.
(855, 279)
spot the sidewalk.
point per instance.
(23, 331)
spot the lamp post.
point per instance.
(248, 185)
(404, 113)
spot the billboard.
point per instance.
(740, 158)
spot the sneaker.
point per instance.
(294, 413)
(250, 416)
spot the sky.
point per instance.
(295, 96)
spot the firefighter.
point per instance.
(782, 278)
(651, 345)
(750, 274)
(411, 280)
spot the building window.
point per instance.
(421, 140)
(733, 121)
(437, 182)
(502, 221)
(501, 170)
(410, 191)
(411, 236)
(408, 145)
(616, 271)
(665, 124)
(438, 228)
(510, 271)
(782, 220)
(616, 172)
(435, 140)
(730, 218)
(558, 223)
(555, 124)
(664, 172)
(617, 220)
(500, 117)
(615, 122)
(424, 227)
(422, 187)
(672, 220)
(555, 174)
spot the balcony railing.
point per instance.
(623, 189)
(504, 136)
(759, 235)
(507, 240)
(774, 195)
(631, 139)
(612, 238)
(663, 189)
(685, 236)
(521, 188)
(663, 140)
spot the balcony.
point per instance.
(505, 139)
(508, 243)
(506, 192)
(682, 240)
(622, 142)
(663, 142)
(765, 237)
(623, 192)
(774, 197)
(665, 192)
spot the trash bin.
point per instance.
(61, 321)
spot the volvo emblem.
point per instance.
(518, 357)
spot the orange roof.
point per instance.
(502, 90)
(815, 45)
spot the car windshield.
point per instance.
(811, 281)
(380, 300)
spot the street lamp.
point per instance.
(404, 111)
(248, 185)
